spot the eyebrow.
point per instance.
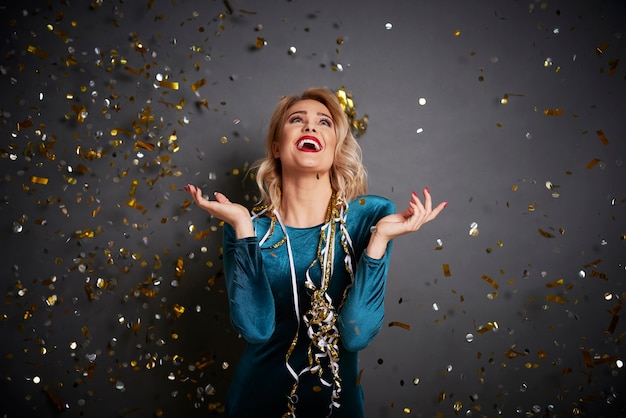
(304, 112)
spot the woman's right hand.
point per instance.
(232, 213)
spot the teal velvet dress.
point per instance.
(261, 297)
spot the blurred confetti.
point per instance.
(114, 297)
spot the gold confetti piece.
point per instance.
(82, 169)
(458, 405)
(559, 282)
(600, 49)
(599, 275)
(260, 42)
(24, 124)
(487, 327)
(594, 263)
(195, 86)
(511, 353)
(613, 324)
(400, 324)
(180, 267)
(605, 359)
(588, 358)
(30, 312)
(592, 163)
(490, 281)
(615, 309)
(442, 396)
(84, 234)
(55, 400)
(37, 51)
(202, 234)
(89, 290)
(38, 180)
(145, 145)
(446, 270)
(553, 112)
(556, 298)
(178, 310)
(602, 137)
(169, 84)
(613, 66)
(133, 70)
(545, 234)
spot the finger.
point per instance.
(416, 199)
(221, 198)
(428, 201)
(410, 211)
(197, 194)
(435, 212)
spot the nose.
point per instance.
(309, 128)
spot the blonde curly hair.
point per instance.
(348, 176)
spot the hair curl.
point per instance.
(348, 176)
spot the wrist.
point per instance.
(243, 229)
(377, 246)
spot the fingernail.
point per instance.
(414, 194)
(428, 190)
(445, 205)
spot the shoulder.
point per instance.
(363, 213)
(370, 209)
(372, 204)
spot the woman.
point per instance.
(306, 273)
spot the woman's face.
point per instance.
(308, 139)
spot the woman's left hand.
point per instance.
(410, 220)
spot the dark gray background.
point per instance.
(112, 343)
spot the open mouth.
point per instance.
(309, 144)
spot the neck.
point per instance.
(304, 200)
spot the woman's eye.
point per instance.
(326, 122)
(296, 119)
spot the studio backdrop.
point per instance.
(509, 304)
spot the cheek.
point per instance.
(333, 143)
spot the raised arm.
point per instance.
(362, 314)
(250, 297)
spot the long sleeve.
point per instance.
(361, 316)
(252, 311)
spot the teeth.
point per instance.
(306, 142)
